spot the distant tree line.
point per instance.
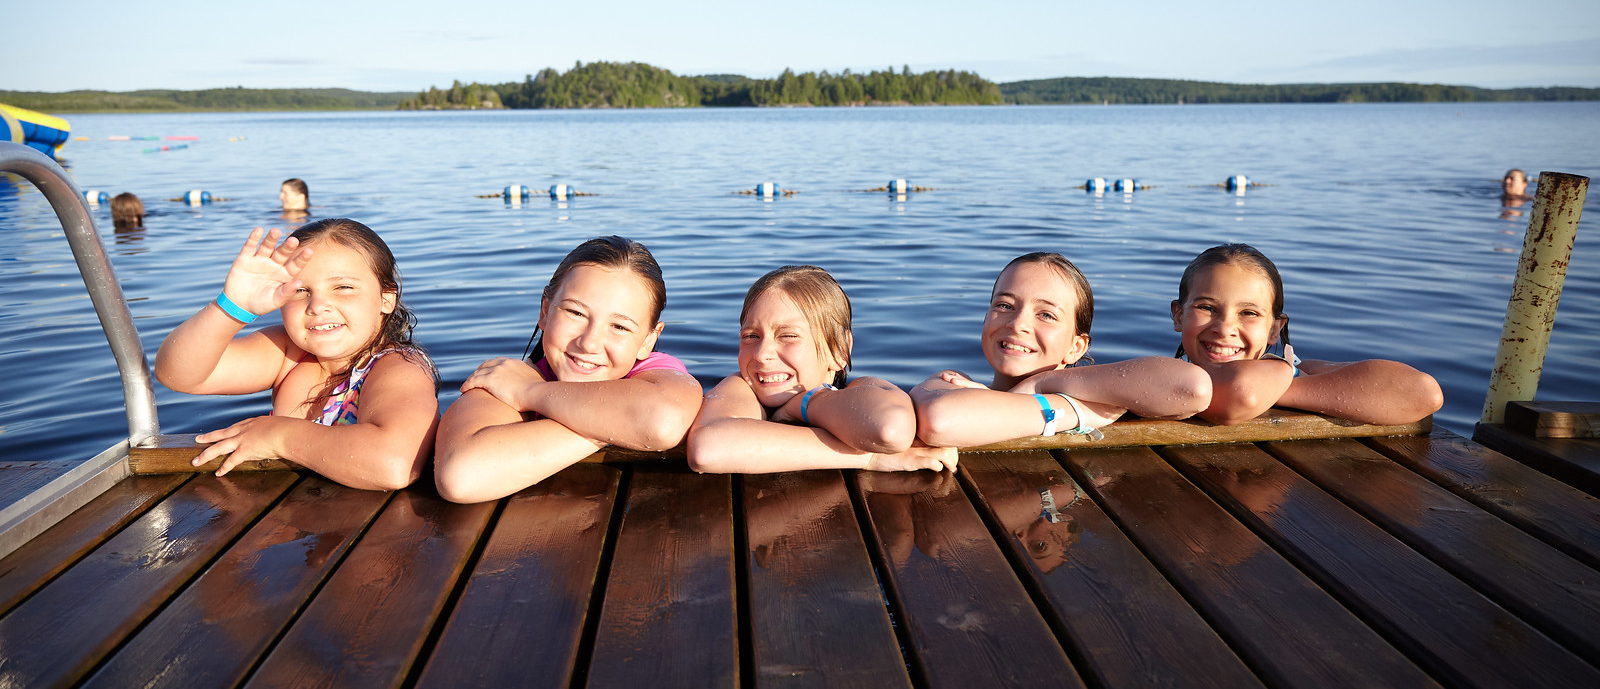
(637, 85)
(473, 96)
(223, 99)
(1151, 91)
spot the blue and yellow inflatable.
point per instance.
(45, 133)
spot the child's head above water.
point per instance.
(1040, 311)
(794, 333)
(600, 313)
(1229, 306)
(345, 254)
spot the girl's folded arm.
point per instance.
(1153, 387)
(1242, 390)
(650, 411)
(485, 450)
(205, 356)
(951, 415)
(869, 415)
(730, 435)
(1374, 391)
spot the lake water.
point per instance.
(1384, 219)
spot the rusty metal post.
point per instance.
(1541, 271)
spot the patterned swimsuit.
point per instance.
(343, 402)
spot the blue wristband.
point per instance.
(233, 310)
(806, 401)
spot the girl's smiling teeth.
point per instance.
(1014, 347)
(772, 378)
(582, 365)
(325, 327)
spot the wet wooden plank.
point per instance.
(18, 479)
(521, 617)
(1543, 585)
(968, 620)
(367, 625)
(1573, 461)
(1286, 627)
(1561, 515)
(33, 564)
(1449, 628)
(171, 454)
(217, 629)
(60, 633)
(818, 618)
(669, 613)
(1554, 419)
(1130, 626)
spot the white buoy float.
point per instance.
(1237, 184)
(1127, 186)
(95, 197)
(899, 187)
(196, 197)
(1096, 185)
(767, 189)
(560, 192)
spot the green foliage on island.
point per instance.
(473, 96)
(1116, 90)
(207, 100)
(636, 85)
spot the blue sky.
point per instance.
(402, 45)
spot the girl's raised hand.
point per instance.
(262, 278)
(507, 379)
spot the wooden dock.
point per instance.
(1412, 561)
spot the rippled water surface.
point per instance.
(1384, 219)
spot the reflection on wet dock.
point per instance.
(1424, 560)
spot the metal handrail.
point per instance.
(138, 394)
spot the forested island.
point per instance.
(638, 85)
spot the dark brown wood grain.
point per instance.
(59, 634)
(968, 620)
(521, 617)
(1561, 515)
(1441, 622)
(1573, 461)
(816, 617)
(1130, 626)
(172, 453)
(1543, 585)
(669, 614)
(1286, 627)
(212, 633)
(368, 623)
(1554, 419)
(48, 554)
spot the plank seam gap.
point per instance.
(457, 588)
(1002, 539)
(1094, 493)
(300, 609)
(584, 653)
(184, 587)
(886, 589)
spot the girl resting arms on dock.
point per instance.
(789, 407)
(1230, 309)
(592, 379)
(1034, 334)
(352, 398)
